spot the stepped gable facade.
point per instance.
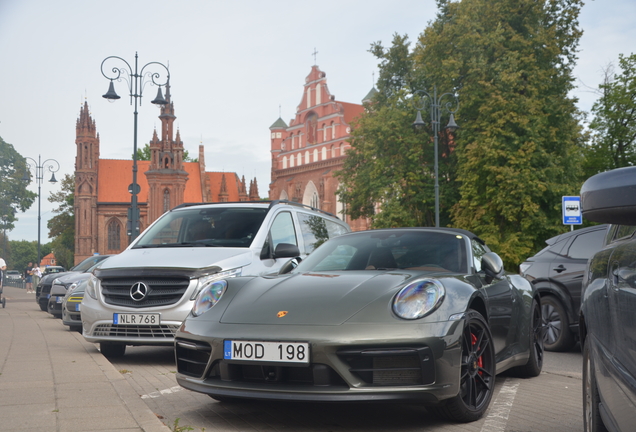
(102, 199)
(307, 152)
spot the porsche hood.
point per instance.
(309, 298)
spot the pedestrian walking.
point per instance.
(3, 267)
(28, 277)
(37, 275)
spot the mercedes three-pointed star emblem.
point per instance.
(139, 291)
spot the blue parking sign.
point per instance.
(572, 210)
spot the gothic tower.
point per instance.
(86, 168)
(166, 176)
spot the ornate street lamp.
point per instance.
(434, 103)
(136, 80)
(50, 165)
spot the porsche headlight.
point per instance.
(91, 287)
(208, 297)
(418, 299)
(205, 280)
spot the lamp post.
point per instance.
(50, 165)
(435, 106)
(136, 80)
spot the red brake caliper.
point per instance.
(480, 361)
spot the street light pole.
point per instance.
(136, 80)
(39, 166)
(435, 105)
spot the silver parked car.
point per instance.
(141, 296)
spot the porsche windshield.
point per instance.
(205, 227)
(383, 250)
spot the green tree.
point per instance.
(613, 127)
(389, 166)
(62, 225)
(144, 154)
(14, 195)
(518, 150)
(22, 252)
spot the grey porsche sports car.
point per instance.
(410, 313)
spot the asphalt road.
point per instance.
(551, 401)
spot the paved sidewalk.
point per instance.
(51, 379)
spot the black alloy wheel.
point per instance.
(558, 336)
(592, 421)
(477, 372)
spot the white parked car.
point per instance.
(142, 295)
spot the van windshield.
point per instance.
(204, 227)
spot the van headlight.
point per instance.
(91, 287)
(418, 299)
(205, 280)
(208, 296)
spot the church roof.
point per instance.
(370, 95)
(351, 111)
(280, 123)
(117, 174)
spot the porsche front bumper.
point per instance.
(348, 362)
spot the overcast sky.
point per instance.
(232, 65)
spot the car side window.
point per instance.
(316, 230)
(624, 231)
(478, 251)
(282, 230)
(586, 245)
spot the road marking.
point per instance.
(160, 393)
(499, 411)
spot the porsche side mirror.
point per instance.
(492, 265)
(289, 265)
(286, 250)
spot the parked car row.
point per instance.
(280, 301)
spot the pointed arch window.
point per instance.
(166, 200)
(114, 235)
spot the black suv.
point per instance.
(608, 310)
(557, 273)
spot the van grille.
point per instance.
(163, 291)
(135, 331)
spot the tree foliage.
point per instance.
(14, 195)
(390, 167)
(62, 225)
(519, 148)
(144, 154)
(613, 127)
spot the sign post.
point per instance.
(571, 207)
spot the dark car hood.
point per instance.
(325, 298)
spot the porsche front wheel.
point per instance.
(477, 372)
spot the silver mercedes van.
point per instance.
(141, 296)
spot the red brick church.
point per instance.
(306, 153)
(102, 199)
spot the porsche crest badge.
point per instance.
(281, 314)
